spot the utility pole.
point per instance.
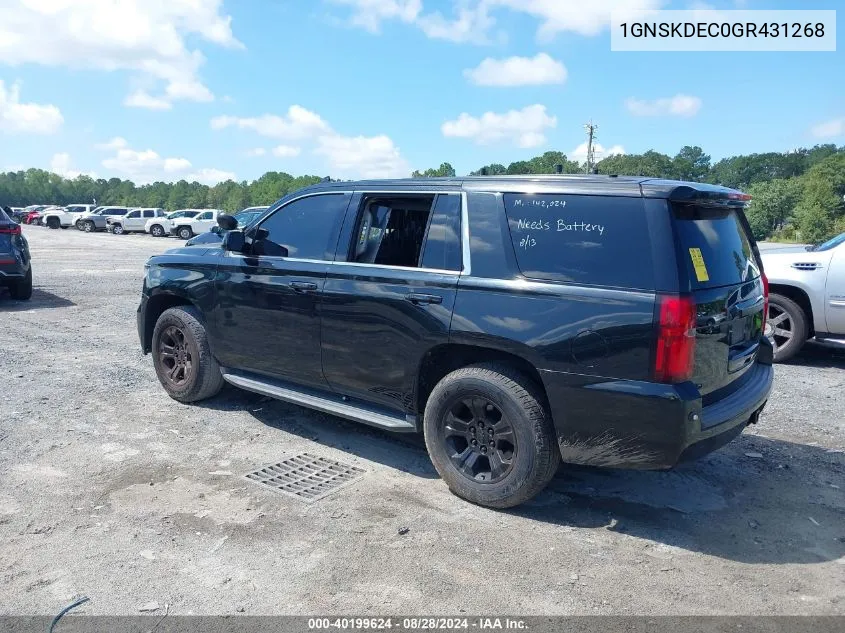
(591, 136)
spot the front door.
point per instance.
(132, 221)
(389, 297)
(835, 293)
(266, 317)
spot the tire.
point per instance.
(78, 225)
(53, 223)
(199, 377)
(482, 401)
(89, 227)
(185, 232)
(786, 327)
(22, 290)
(157, 230)
(117, 229)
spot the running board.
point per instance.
(326, 403)
(836, 343)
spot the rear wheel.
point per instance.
(88, 226)
(182, 357)
(53, 222)
(22, 290)
(786, 327)
(489, 435)
(186, 233)
(156, 230)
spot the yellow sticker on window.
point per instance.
(698, 264)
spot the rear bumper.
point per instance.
(141, 319)
(643, 425)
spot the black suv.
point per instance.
(15, 264)
(515, 321)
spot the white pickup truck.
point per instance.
(64, 217)
(806, 295)
(186, 228)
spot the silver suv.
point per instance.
(807, 295)
(133, 222)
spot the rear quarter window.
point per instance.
(588, 240)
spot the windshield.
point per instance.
(831, 243)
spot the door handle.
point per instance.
(419, 299)
(303, 286)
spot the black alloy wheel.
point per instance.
(479, 439)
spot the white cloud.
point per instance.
(473, 20)
(61, 164)
(147, 166)
(149, 38)
(286, 151)
(298, 124)
(255, 152)
(829, 129)
(579, 154)
(32, 118)
(117, 142)
(585, 18)
(524, 128)
(369, 14)
(362, 156)
(679, 105)
(142, 99)
(517, 71)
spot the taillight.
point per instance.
(15, 229)
(675, 353)
(765, 300)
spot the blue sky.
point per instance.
(212, 89)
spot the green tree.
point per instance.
(691, 163)
(772, 204)
(445, 170)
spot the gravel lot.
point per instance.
(110, 489)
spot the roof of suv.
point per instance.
(563, 183)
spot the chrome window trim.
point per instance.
(466, 267)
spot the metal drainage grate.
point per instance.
(307, 477)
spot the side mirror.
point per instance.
(227, 222)
(234, 241)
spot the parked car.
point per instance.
(133, 222)
(185, 227)
(609, 321)
(64, 217)
(215, 233)
(159, 227)
(96, 220)
(15, 262)
(32, 213)
(14, 213)
(807, 300)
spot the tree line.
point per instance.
(796, 196)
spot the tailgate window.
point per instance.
(589, 240)
(714, 246)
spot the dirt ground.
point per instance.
(110, 489)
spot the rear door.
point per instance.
(390, 294)
(719, 266)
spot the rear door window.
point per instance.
(714, 246)
(588, 240)
(442, 248)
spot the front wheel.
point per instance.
(489, 435)
(79, 225)
(186, 233)
(182, 357)
(117, 229)
(786, 327)
(88, 226)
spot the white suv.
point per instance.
(186, 228)
(133, 222)
(64, 217)
(159, 227)
(96, 220)
(806, 296)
